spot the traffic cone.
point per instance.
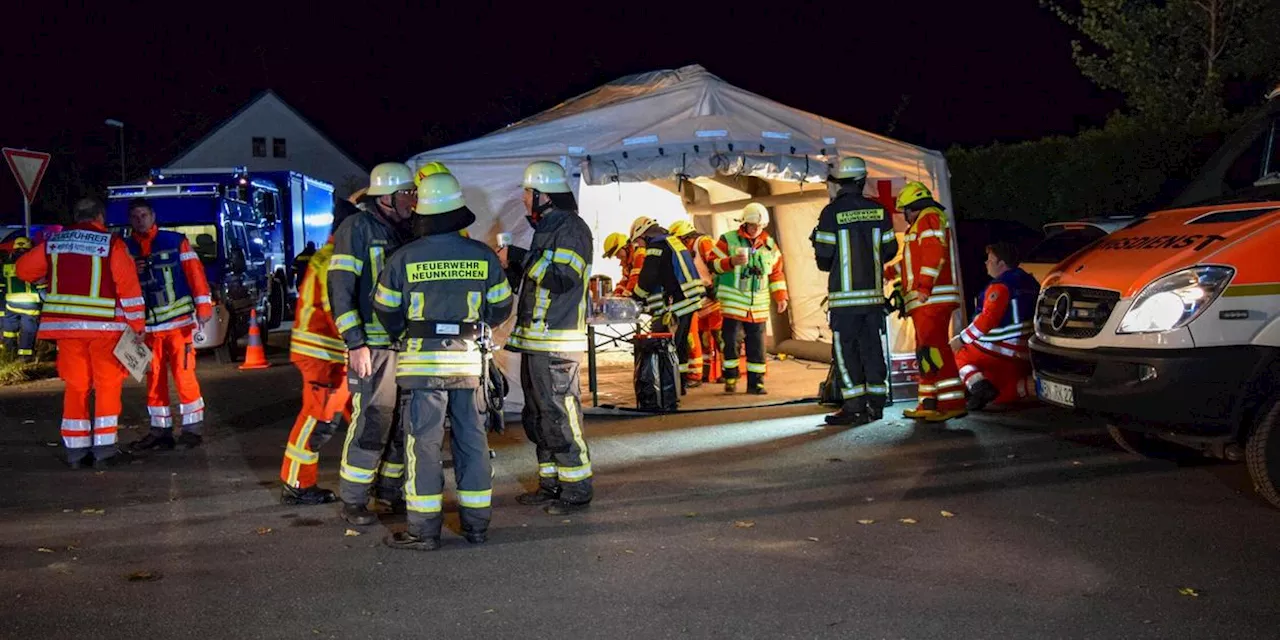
(254, 355)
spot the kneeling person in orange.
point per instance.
(317, 349)
(931, 299)
(175, 288)
(93, 298)
(994, 360)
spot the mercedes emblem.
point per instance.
(1061, 312)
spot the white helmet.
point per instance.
(851, 168)
(546, 177)
(755, 213)
(388, 178)
(439, 193)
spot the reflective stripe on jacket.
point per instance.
(552, 313)
(852, 242)
(315, 335)
(744, 291)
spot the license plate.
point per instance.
(1055, 392)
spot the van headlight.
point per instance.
(1175, 300)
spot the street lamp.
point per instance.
(119, 125)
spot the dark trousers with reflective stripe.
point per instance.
(680, 335)
(860, 363)
(424, 412)
(552, 419)
(374, 446)
(19, 325)
(734, 331)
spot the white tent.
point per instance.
(682, 142)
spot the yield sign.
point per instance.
(28, 167)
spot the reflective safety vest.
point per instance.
(744, 291)
(170, 300)
(926, 264)
(315, 335)
(93, 284)
(669, 281)
(1003, 323)
(433, 297)
(19, 296)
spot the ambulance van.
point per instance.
(1169, 328)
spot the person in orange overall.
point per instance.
(928, 282)
(994, 358)
(317, 350)
(175, 288)
(93, 298)
(705, 335)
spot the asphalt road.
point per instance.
(724, 525)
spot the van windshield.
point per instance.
(1058, 246)
(1247, 169)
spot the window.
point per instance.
(1058, 246)
(203, 240)
(259, 147)
(278, 148)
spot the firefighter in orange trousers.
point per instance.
(175, 288)
(994, 360)
(708, 322)
(317, 350)
(93, 298)
(928, 283)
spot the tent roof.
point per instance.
(687, 111)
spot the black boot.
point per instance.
(311, 495)
(156, 439)
(541, 496)
(847, 417)
(393, 499)
(358, 514)
(412, 542)
(190, 440)
(875, 413)
(562, 508)
(982, 394)
(476, 537)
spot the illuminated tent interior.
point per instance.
(683, 143)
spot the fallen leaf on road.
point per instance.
(262, 531)
(1011, 456)
(812, 539)
(28, 422)
(868, 499)
(744, 524)
(490, 610)
(907, 520)
(143, 576)
(1188, 591)
(68, 510)
(691, 514)
(627, 551)
(72, 547)
(866, 522)
(45, 550)
(1076, 463)
(93, 512)
(566, 521)
(947, 514)
(350, 533)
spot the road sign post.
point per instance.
(28, 168)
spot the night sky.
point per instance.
(386, 82)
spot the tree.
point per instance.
(1171, 58)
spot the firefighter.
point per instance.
(551, 335)
(994, 361)
(436, 297)
(749, 264)
(709, 321)
(853, 240)
(20, 318)
(931, 297)
(374, 447)
(317, 350)
(93, 298)
(617, 245)
(670, 281)
(174, 286)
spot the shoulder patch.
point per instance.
(993, 296)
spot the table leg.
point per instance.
(591, 365)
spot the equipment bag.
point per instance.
(656, 384)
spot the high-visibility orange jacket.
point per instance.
(92, 280)
(315, 335)
(926, 268)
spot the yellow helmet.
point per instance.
(614, 242)
(388, 178)
(547, 177)
(755, 213)
(913, 193)
(439, 193)
(22, 243)
(851, 168)
(429, 169)
(681, 228)
(641, 225)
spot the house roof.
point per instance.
(256, 99)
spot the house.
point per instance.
(269, 135)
